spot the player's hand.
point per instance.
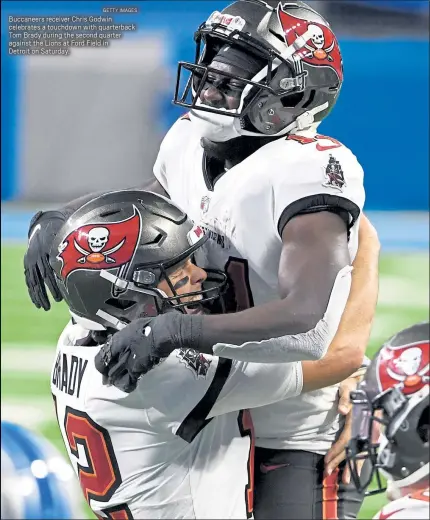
(127, 355)
(131, 352)
(337, 452)
(42, 230)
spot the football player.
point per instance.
(179, 445)
(282, 206)
(395, 393)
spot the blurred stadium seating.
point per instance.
(94, 121)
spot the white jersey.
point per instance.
(178, 445)
(412, 507)
(244, 214)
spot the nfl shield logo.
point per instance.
(204, 204)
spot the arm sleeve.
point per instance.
(188, 389)
(250, 385)
(311, 345)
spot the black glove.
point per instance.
(43, 228)
(133, 351)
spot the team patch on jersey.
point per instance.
(334, 175)
(100, 246)
(195, 361)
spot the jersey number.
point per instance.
(97, 465)
(320, 147)
(238, 276)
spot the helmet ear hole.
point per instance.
(424, 426)
(310, 99)
(120, 304)
(292, 100)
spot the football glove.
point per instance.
(131, 352)
(42, 230)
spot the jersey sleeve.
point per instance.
(159, 168)
(250, 385)
(307, 179)
(188, 389)
(168, 151)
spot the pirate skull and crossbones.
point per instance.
(408, 365)
(318, 39)
(97, 239)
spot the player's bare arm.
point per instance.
(41, 232)
(315, 247)
(314, 251)
(352, 336)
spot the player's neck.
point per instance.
(234, 151)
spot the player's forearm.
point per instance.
(309, 345)
(313, 253)
(346, 352)
(270, 320)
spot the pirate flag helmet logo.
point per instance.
(96, 246)
(406, 367)
(394, 393)
(314, 42)
(112, 255)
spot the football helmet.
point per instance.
(394, 393)
(112, 253)
(296, 66)
(36, 481)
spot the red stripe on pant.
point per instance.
(330, 497)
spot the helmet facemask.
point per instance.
(148, 238)
(295, 85)
(385, 454)
(272, 77)
(364, 443)
(145, 298)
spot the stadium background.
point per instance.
(93, 121)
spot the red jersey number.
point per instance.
(330, 142)
(99, 474)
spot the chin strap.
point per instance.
(305, 120)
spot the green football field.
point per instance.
(29, 335)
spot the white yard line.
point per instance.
(30, 412)
(22, 358)
(394, 290)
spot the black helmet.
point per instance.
(112, 253)
(395, 393)
(298, 78)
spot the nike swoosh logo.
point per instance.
(265, 468)
(35, 230)
(383, 516)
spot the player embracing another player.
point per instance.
(177, 442)
(282, 206)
